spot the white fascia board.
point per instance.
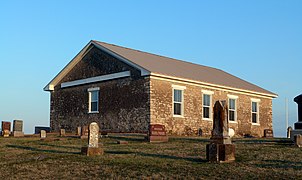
(232, 96)
(96, 79)
(178, 87)
(144, 72)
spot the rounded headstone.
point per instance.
(231, 132)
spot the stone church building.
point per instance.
(126, 90)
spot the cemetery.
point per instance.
(88, 153)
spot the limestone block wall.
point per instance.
(161, 110)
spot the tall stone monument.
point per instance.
(298, 125)
(93, 148)
(18, 128)
(221, 148)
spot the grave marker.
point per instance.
(42, 134)
(18, 128)
(157, 133)
(221, 148)
(79, 130)
(268, 133)
(93, 141)
(84, 132)
(6, 126)
(297, 125)
(62, 132)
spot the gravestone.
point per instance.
(42, 134)
(6, 127)
(289, 129)
(221, 148)
(268, 133)
(62, 132)
(18, 128)
(297, 125)
(84, 132)
(231, 132)
(93, 141)
(79, 131)
(39, 128)
(6, 133)
(199, 132)
(157, 133)
(298, 140)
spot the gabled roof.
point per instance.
(151, 64)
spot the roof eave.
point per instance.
(268, 95)
(50, 86)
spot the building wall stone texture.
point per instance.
(123, 103)
(161, 102)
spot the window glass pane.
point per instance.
(232, 104)
(254, 106)
(206, 112)
(177, 95)
(94, 106)
(177, 108)
(94, 96)
(206, 100)
(254, 117)
(232, 115)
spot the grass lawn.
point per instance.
(180, 158)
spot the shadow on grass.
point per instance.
(56, 146)
(189, 139)
(281, 164)
(275, 141)
(40, 150)
(124, 138)
(192, 159)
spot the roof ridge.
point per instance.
(156, 55)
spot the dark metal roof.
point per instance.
(181, 69)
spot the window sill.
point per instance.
(207, 119)
(93, 112)
(233, 122)
(178, 116)
(256, 124)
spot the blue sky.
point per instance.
(259, 41)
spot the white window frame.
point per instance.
(210, 93)
(235, 110)
(253, 100)
(90, 91)
(180, 88)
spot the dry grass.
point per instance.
(180, 158)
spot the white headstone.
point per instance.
(42, 134)
(93, 140)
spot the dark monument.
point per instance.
(298, 125)
(18, 128)
(268, 133)
(157, 133)
(39, 128)
(289, 130)
(298, 100)
(221, 148)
